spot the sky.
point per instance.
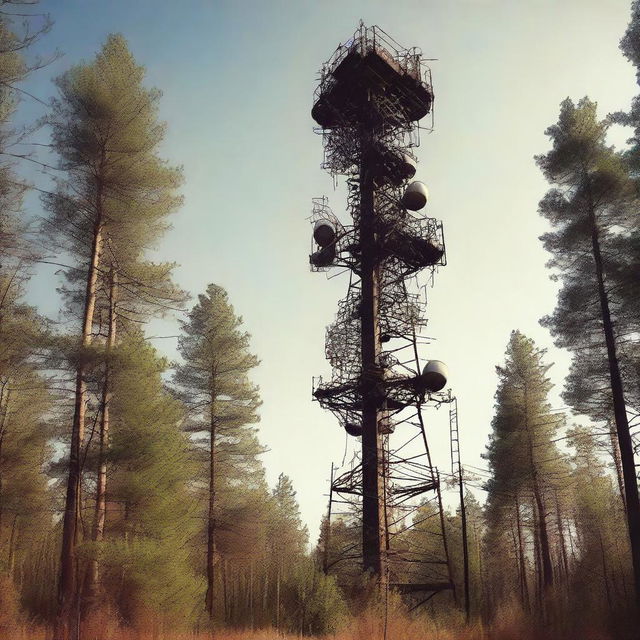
(237, 79)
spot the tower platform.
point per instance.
(367, 83)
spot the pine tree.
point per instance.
(215, 384)
(24, 404)
(592, 199)
(625, 250)
(314, 604)
(25, 400)
(596, 578)
(16, 253)
(287, 538)
(106, 213)
(525, 463)
(339, 551)
(145, 554)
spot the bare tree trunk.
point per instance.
(538, 561)
(615, 453)
(605, 572)
(571, 547)
(251, 595)
(632, 499)
(5, 394)
(564, 561)
(97, 534)
(12, 548)
(327, 531)
(265, 594)
(278, 599)
(224, 591)
(516, 553)
(68, 578)
(524, 585)
(545, 550)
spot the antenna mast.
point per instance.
(371, 95)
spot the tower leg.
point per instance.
(373, 517)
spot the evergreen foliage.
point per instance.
(223, 402)
(527, 468)
(151, 511)
(592, 208)
(107, 211)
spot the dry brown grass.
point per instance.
(360, 632)
(509, 624)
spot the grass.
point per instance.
(509, 624)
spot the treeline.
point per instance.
(132, 492)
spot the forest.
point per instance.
(134, 501)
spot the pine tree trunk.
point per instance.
(538, 561)
(68, 577)
(225, 604)
(251, 596)
(97, 534)
(563, 548)
(619, 408)
(543, 534)
(516, 553)
(483, 598)
(605, 572)
(571, 547)
(265, 594)
(524, 584)
(615, 453)
(4, 419)
(278, 599)
(12, 548)
(211, 519)
(327, 529)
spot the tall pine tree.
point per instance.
(214, 381)
(110, 207)
(592, 198)
(525, 463)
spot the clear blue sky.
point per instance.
(238, 78)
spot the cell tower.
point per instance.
(371, 95)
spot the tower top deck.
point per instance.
(371, 79)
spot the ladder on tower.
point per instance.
(454, 436)
(457, 473)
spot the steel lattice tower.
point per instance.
(371, 95)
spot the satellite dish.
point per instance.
(427, 250)
(434, 375)
(324, 232)
(353, 429)
(415, 196)
(408, 166)
(324, 257)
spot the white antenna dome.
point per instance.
(434, 375)
(415, 196)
